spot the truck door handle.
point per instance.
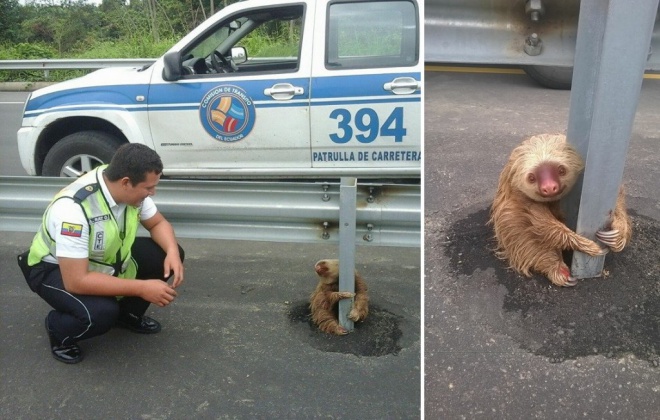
(403, 86)
(283, 91)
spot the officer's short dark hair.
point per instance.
(135, 161)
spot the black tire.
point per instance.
(79, 153)
(551, 77)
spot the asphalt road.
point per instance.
(497, 345)
(236, 344)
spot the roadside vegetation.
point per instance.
(58, 29)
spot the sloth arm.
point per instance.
(335, 297)
(556, 234)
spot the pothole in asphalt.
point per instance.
(613, 315)
(378, 335)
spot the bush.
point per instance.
(27, 51)
(133, 48)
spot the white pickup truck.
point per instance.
(340, 97)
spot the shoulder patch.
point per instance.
(85, 192)
(71, 229)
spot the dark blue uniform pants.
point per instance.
(78, 317)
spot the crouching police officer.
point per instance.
(85, 259)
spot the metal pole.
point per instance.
(611, 52)
(347, 220)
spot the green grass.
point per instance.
(105, 49)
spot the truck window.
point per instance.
(372, 35)
(258, 40)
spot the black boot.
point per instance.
(139, 324)
(67, 354)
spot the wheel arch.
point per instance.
(60, 128)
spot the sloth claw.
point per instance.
(608, 237)
(354, 315)
(608, 233)
(563, 277)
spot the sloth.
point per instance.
(526, 215)
(324, 301)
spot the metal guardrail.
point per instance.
(511, 32)
(386, 215)
(73, 64)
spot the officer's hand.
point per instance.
(157, 292)
(174, 267)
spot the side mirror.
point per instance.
(239, 55)
(172, 66)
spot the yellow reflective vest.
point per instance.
(109, 243)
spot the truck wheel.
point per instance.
(79, 153)
(550, 76)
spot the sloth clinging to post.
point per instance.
(324, 300)
(529, 226)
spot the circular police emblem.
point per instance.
(227, 113)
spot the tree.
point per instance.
(114, 27)
(9, 12)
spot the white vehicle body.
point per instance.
(322, 113)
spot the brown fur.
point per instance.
(324, 301)
(529, 227)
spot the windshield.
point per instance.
(218, 38)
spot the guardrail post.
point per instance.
(611, 52)
(347, 229)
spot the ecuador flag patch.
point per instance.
(71, 229)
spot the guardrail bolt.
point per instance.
(326, 196)
(368, 236)
(535, 9)
(533, 45)
(371, 197)
(326, 234)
